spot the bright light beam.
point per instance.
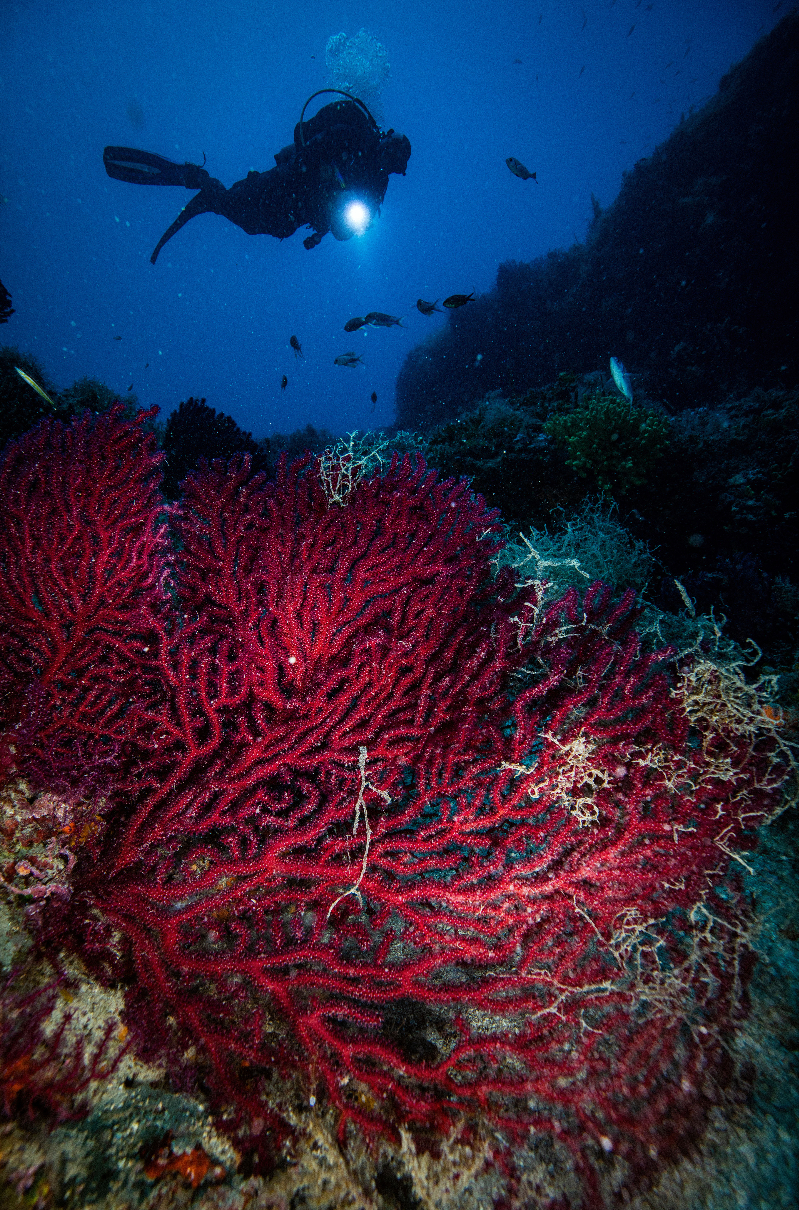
(357, 217)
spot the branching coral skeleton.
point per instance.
(343, 466)
(360, 808)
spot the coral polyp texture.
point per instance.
(380, 834)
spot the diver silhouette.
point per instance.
(333, 177)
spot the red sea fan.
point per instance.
(390, 836)
(82, 564)
(308, 631)
(489, 946)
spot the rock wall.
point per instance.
(689, 276)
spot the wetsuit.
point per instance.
(337, 155)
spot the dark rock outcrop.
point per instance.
(689, 276)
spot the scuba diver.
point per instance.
(333, 177)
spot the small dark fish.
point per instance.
(458, 300)
(130, 388)
(284, 382)
(374, 396)
(348, 359)
(117, 338)
(296, 346)
(630, 30)
(352, 325)
(146, 365)
(518, 169)
(517, 60)
(379, 319)
(427, 308)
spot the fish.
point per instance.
(374, 396)
(284, 382)
(352, 325)
(39, 390)
(379, 319)
(458, 300)
(621, 378)
(427, 308)
(518, 169)
(348, 359)
(117, 338)
(130, 388)
(296, 346)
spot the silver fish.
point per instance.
(39, 390)
(621, 378)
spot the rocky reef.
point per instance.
(686, 276)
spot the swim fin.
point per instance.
(146, 168)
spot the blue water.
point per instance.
(577, 91)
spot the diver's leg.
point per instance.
(195, 177)
(210, 200)
(266, 203)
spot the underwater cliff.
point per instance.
(688, 276)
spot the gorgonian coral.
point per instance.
(384, 835)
